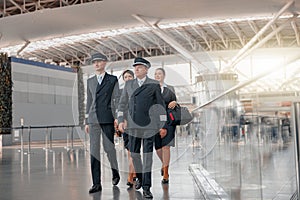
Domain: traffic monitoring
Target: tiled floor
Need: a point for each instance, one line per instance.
(62, 174)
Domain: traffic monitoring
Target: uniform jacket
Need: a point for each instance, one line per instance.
(144, 105)
(102, 99)
(168, 94)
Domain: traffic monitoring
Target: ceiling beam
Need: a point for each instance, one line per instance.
(278, 38)
(73, 54)
(233, 61)
(127, 46)
(199, 66)
(296, 31)
(254, 28)
(52, 54)
(109, 47)
(195, 44)
(64, 52)
(185, 37)
(153, 41)
(138, 42)
(22, 48)
(89, 46)
(81, 50)
(220, 34)
(64, 2)
(18, 6)
(78, 59)
(38, 5)
(238, 32)
(73, 48)
(203, 35)
(38, 56)
(263, 41)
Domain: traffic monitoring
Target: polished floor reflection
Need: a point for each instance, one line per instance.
(61, 174)
(251, 167)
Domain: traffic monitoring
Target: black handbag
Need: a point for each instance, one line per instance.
(179, 116)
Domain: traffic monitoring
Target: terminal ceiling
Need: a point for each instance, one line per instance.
(111, 27)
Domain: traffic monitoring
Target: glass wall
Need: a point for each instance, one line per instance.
(250, 155)
(244, 141)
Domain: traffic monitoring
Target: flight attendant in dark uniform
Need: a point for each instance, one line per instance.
(143, 104)
(165, 139)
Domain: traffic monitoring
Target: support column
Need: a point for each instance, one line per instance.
(80, 86)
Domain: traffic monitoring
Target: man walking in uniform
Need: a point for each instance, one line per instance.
(102, 96)
(141, 99)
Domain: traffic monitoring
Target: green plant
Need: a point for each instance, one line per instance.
(5, 94)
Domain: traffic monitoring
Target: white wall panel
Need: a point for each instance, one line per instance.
(42, 96)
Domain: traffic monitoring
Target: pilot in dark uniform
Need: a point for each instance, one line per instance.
(142, 100)
(102, 96)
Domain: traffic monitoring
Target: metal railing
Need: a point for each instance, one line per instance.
(48, 141)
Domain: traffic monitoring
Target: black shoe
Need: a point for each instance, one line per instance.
(162, 172)
(129, 184)
(147, 194)
(115, 180)
(95, 188)
(138, 184)
(165, 181)
(115, 176)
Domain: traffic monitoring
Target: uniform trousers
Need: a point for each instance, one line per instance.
(143, 169)
(107, 132)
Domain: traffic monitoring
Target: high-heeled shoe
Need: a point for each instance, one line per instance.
(129, 184)
(165, 181)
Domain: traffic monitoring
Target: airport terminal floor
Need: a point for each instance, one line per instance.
(65, 174)
(247, 168)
